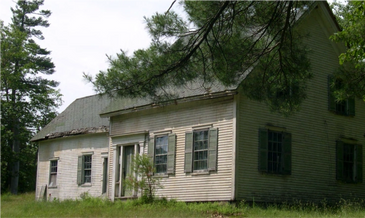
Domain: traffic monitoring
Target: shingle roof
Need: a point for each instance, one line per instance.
(188, 91)
(83, 115)
(80, 117)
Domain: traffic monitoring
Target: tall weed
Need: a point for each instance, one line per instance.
(25, 206)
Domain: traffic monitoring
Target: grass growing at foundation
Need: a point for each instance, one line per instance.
(24, 205)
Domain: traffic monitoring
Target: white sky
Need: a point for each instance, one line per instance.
(82, 32)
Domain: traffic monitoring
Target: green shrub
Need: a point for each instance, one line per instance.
(141, 178)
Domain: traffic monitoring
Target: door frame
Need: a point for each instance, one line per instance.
(105, 175)
(118, 161)
(123, 169)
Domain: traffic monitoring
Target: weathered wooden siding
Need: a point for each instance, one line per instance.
(67, 150)
(314, 133)
(179, 119)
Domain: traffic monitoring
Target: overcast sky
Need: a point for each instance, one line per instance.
(82, 32)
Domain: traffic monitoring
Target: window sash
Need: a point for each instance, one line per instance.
(200, 149)
(161, 150)
(349, 162)
(53, 166)
(53, 173)
(87, 163)
(275, 152)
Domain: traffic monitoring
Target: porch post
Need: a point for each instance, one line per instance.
(135, 174)
(114, 149)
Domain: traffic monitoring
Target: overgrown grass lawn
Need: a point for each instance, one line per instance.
(24, 205)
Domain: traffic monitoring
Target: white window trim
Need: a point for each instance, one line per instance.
(53, 159)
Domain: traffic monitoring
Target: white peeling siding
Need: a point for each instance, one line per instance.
(179, 119)
(68, 150)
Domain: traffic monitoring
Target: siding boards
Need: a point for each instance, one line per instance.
(314, 133)
(180, 119)
(68, 150)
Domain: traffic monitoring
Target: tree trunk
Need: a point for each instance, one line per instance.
(15, 148)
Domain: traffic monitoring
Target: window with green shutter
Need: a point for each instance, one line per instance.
(161, 150)
(345, 107)
(274, 152)
(348, 162)
(84, 169)
(201, 148)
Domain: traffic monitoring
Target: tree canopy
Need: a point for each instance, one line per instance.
(351, 17)
(28, 101)
(219, 41)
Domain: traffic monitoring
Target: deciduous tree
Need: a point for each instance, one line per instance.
(351, 17)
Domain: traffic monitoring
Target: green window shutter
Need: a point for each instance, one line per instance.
(171, 154)
(359, 163)
(80, 168)
(339, 160)
(287, 144)
(213, 149)
(188, 152)
(151, 149)
(50, 168)
(262, 159)
(351, 107)
(331, 97)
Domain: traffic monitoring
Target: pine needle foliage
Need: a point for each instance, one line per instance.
(228, 42)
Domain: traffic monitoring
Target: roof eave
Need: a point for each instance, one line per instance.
(74, 132)
(173, 101)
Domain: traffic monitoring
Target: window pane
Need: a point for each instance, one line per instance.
(161, 168)
(161, 145)
(161, 149)
(161, 159)
(53, 180)
(200, 165)
(87, 168)
(87, 176)
(160, 153)
(275, 147)
(53, 173)
(200, 141)
(349, 162)
(54, 166)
